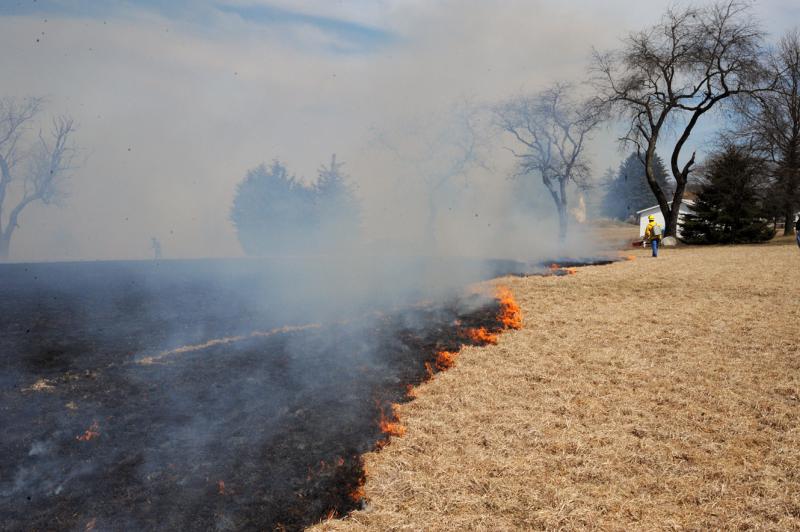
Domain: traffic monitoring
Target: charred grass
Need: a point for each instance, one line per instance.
(643, 395)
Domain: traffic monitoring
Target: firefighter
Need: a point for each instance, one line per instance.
(797, 231)
(652, 234)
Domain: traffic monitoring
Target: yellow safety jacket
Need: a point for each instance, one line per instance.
(648, 232)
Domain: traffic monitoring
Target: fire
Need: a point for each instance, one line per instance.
(554, 266)
(359, 493)
(221, 487)
(630, 257)
(571, 271)
(445, 360)
(481, 336)
(91, 433)
(411, 392)
(392, 427)
(510, 313)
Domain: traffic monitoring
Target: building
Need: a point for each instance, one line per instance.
(655, 210)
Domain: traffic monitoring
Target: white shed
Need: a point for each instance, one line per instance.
(655, 210)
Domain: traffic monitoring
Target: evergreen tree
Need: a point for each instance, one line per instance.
(337, 208)
(729, 207)
(272, 212)
(629, 191)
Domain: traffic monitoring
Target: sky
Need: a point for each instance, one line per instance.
(176, 100)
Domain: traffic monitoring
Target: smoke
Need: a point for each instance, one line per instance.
(259, 412)
(173, 111)
(172, 117)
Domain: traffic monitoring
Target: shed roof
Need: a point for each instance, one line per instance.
(688, 202)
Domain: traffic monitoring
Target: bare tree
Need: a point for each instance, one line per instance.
(442, 154)
(770, 123)
(552, 128)
(32, 171)
(671, 74)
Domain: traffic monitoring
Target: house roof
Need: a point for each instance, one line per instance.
(688, 202)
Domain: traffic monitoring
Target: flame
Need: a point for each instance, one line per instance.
(221, 487)
(411, 392)
(510, 313)
(392, 427)
(429, 370)
(91, 433)
(554, 266)
(445, 360)
(481, 336)
(359, 493)
(571, 271)
(630, 257)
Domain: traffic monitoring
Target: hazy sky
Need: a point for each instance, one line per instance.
(175, 100)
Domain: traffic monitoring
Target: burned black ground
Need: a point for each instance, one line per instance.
(260, 433)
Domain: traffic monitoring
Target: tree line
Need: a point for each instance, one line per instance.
(657, 87)
(276, 214)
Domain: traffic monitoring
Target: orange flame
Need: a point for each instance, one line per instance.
(445, 360)
(392, 427)
(481, 336)
(357, 494)
(411, 392)
(91, 433)
(571, 271)
(630, 257)
(221, 487)
(510, 313)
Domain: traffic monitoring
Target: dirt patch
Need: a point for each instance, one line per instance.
(647, 394)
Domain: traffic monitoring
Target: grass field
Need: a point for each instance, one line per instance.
(650, 394)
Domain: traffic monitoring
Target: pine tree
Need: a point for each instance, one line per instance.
(629, 191)
(337, 208)
(273, 213)
(729, 208)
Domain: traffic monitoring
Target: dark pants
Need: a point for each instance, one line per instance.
(654, 245)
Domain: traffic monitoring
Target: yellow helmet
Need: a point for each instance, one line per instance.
(651, 218)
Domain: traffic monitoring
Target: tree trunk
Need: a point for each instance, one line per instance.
(561, 205)
(788, 221)
(650, 176)
(562, 210)
(675, 210)
(562, 222)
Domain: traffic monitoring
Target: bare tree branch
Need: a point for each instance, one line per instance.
(49, 159)
(552, 126)
(675, 72)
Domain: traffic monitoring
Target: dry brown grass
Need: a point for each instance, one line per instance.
(595, 417)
